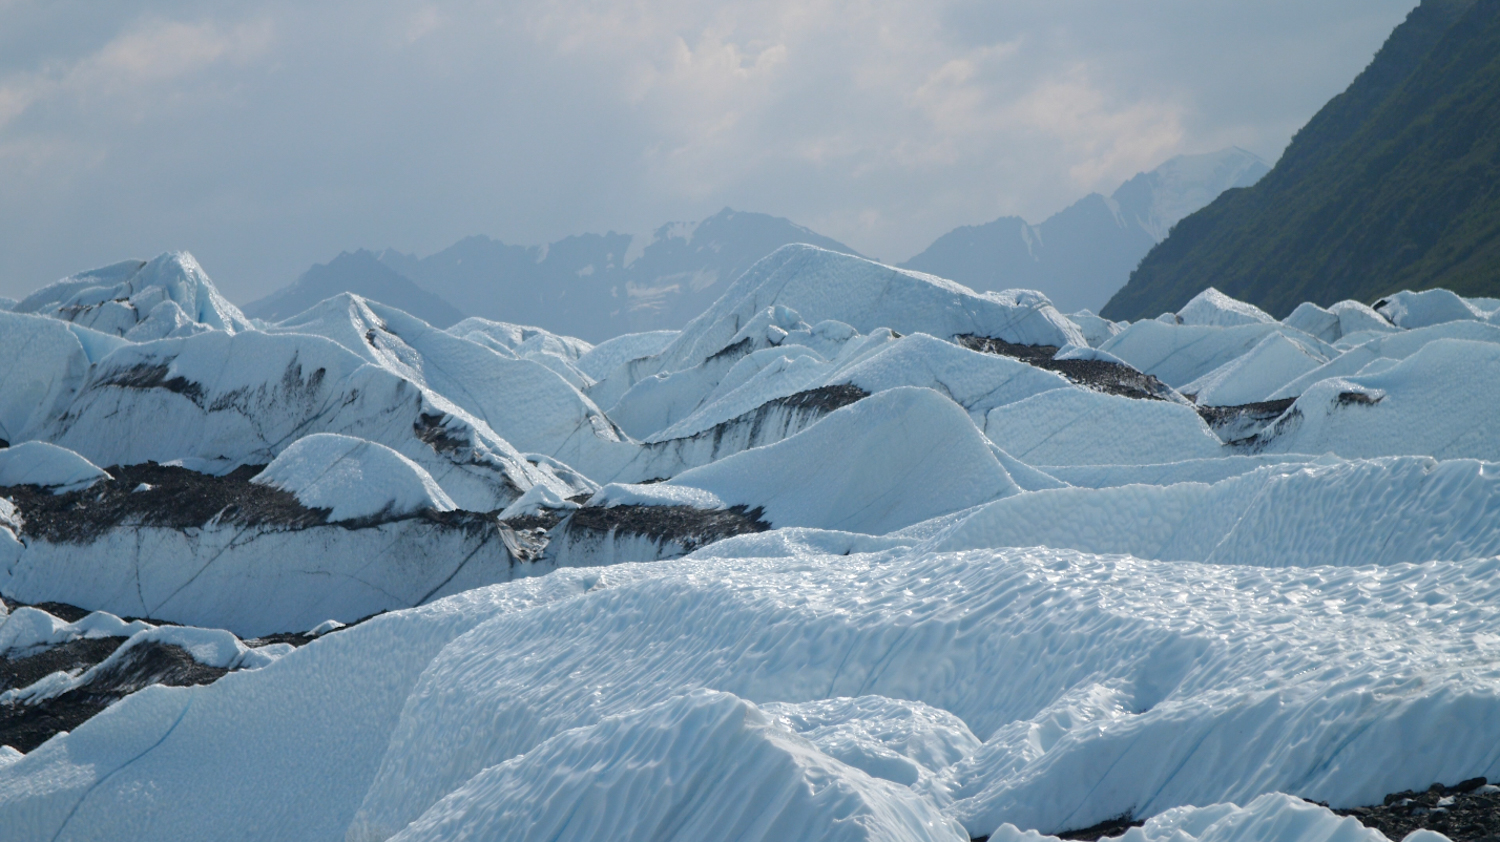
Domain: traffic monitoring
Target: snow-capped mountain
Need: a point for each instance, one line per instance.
(1079, 256)
(858, 553)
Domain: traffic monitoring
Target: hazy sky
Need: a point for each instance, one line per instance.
(267, 136)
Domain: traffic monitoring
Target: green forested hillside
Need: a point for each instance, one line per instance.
(1395, 184)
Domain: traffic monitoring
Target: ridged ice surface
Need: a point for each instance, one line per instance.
(1098, 685)
(681, 771)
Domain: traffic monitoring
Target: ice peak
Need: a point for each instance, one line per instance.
(122, 299)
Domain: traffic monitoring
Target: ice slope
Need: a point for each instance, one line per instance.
(893, 459)
(1095, 689)
(975, 381)
(206, 647)
(821, 285)
(1192, 470)
(1273, 817)
(922, 639)
(1391, 348)
(43, 363)
(759, 396)
(1076, 426)
(1011, 643)
(217, 401)
(27, 628)
(48, 466)
(354, 479)
(1357, 317)
(140, 300)
(264, 579)
(1255, 376)
(1440, 402)
(1095, 329)
(1407, 309)
(902, 456)
(1346, 318)
(1385, 511)
(1214, 308)
(1315, 322)
(897, 740)
(1179, 354)
(559, 353)
(318, 721)
(687, 769)
(609, 355)
(524, 402)
(523, 339)
(655, 403)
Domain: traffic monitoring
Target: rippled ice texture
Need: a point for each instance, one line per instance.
(1098, 685)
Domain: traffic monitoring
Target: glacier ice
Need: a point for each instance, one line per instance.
(684, 769)
(904, 570)
(1214, 308)
(48, 466)
(1057, 661)
(1429, 307)
(126, 299)
(1255, 376)
(836, 474)
(354, 479)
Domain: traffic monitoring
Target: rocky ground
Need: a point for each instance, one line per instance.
(1465, 812)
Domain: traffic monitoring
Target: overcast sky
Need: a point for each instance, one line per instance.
(267, 136)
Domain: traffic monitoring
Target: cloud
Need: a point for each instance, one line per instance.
(134, 63)
(265, 140)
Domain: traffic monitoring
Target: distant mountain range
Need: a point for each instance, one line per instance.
(596, 286)
(360, 272)
(1394, 184)
(593, 286)
(1081, 255)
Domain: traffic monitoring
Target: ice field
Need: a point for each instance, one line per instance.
(858, 554)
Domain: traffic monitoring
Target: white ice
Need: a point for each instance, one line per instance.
(1214, 308)
(125, 299)
(1089, 680)
(47, 465)
(886, 462)
(990, 599)
(354, 479)
(1255, 376)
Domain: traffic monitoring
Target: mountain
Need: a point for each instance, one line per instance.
(597, 286)
(1394, 184)
(1081, 255)
(363, 274)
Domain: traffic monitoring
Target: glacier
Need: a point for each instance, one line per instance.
(857, 554)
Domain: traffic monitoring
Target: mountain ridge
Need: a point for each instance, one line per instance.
(1082, 254)
(597, 286)
(1391, 185)
(361, 269)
